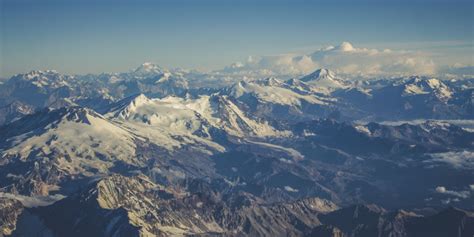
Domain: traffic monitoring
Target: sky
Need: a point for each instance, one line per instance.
(85, 36)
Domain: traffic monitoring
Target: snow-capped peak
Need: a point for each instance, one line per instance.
(270, 81)
(74, 133)
(148, 68)
(74, 114)
(124, 108)
(433, 83)
(418, 85)
(140, 99)
(319, 74)
(299, 85)
(184, 116)
(50, 78)
(78, 114)
(38, 73)
(49, 117)
(323, 78)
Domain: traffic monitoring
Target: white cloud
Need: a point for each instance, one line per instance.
(33, 201)
(458, 70)
(290, 189)
(449, 200)
(287, 64)
(440, 189)
(466, 124)
(345, 59)
(458, 160)
(460, 194)
(348, 59)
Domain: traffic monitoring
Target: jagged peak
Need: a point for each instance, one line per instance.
(424, 85)
(40, 72)
(36, 75)
(324, 78)
(112, 191)
(139, 99)
(432, 83)
(76, 114)
(404, 214)
(269, 81)
(50, 117)
(319, 74)
(125, 107)
(318, 204)
(366, 207)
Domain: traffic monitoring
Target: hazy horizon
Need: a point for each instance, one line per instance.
(80, 37)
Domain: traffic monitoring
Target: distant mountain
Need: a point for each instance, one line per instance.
(272, 99)
(270, 90)
(411, 98)
(316, 95)
(149, 69)
(36, 88)
(418, 86)
(155, 81)
(324, 78)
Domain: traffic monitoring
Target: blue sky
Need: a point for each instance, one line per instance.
(85, 36)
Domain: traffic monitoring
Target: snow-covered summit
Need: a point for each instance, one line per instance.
(319, 74)
(149, 69)
(420, 85)
(70, 138)
(323, 78)
(177, 115)
(269, 81)
(48, 78)
(271, 90)
(124, 108)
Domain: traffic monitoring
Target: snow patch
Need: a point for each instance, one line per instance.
(290, 189)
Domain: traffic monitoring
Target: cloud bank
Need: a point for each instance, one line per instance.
(37, 201)
(454, 196)
(460, 194)
(343, 59)
(457, 160)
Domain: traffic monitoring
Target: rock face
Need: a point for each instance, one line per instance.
(135, 206)
(450, 222)
(326, 231)
(363, 220)
(366, 220)
(13, 111)
(10, 209)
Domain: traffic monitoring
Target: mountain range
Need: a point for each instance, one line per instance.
(152, 152)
